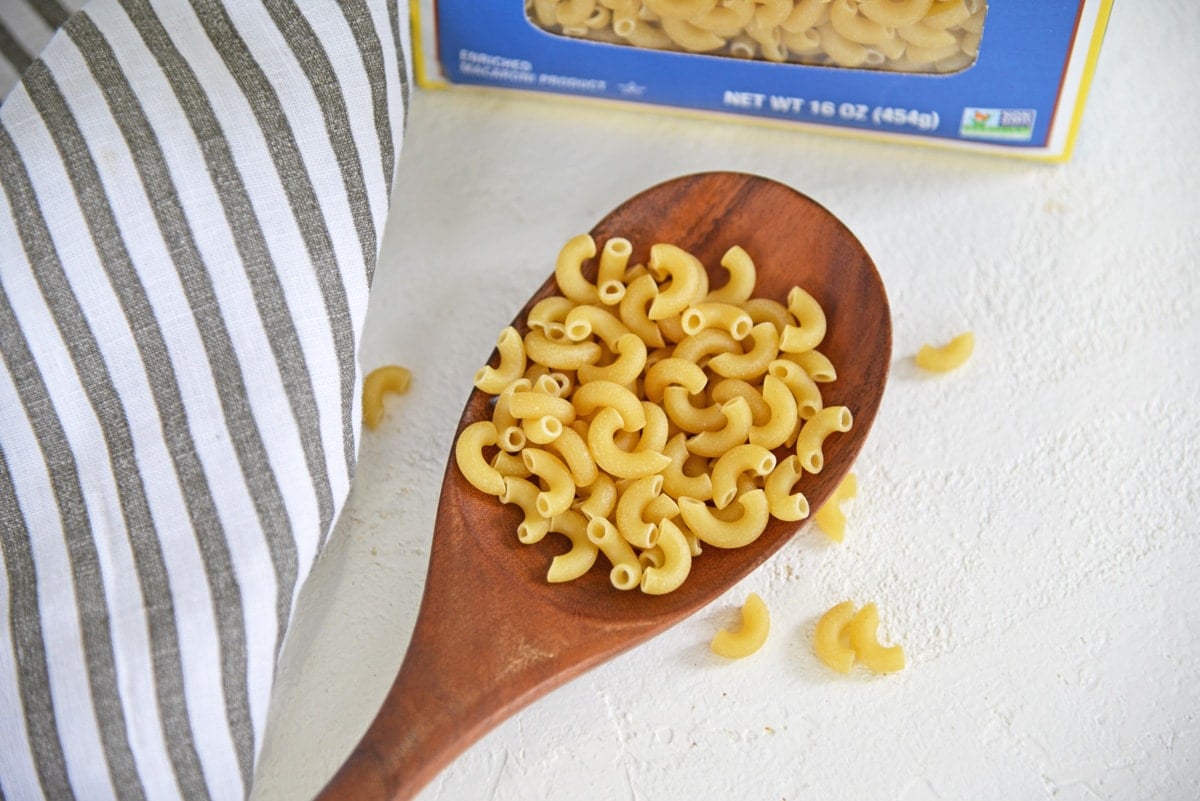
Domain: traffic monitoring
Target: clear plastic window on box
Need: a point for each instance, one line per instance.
(924, 36)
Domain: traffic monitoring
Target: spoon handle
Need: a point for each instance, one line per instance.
(474, 659)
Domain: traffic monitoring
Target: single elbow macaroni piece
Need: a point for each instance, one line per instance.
(810, 442)
(560, 489)
(742, 277)
(509, 464)
(617, 462)
(673, 371)
(688, 280)
(877, 658)
(549, 313)
(633, 309)
(753, 362)
(701, 346)
(949, 356)
(568, 270)
(831, 641)
(468, 454)
(610, 276)
(541, 430)
(710, 314)
(783, 419)
(676, 561)
(626, 570)
(625, 369)
(584, 321)
(767, 310)
(630, 517)
(582, 555)
(559, 355)
(781, 501)
(815, 364)
(738, 419)
(573, 449)
(600, 497)
(737, 460)
(736, 533)
(750, 636)
(387, 379)
(654, 433)
(511, 367)
(830, 518)
(606, 394)
(677, 481)
(681, 411)
(531, 403)
(804, 390)
(524, 494)
(811, 323)
(729, 388)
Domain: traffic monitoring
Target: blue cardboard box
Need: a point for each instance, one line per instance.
(1009, 76)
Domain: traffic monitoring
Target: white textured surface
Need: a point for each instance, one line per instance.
(1029, 526)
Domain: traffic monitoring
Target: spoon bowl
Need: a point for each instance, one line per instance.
(491, 634)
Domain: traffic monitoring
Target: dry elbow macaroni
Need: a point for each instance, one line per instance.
(950, 356)
(844, 636)
(390, 378)
(747, 638)
(644, 415)
(930, 36)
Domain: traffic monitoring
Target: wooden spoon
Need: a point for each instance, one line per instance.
(492, 635)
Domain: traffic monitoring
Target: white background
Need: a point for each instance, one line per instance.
(1029, 525)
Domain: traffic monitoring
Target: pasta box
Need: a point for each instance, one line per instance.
(1004, 77)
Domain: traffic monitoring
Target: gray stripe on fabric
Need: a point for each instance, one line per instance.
(25, 624)
(302, 198)
(248, 234)
(81, 549)
(160, 372)
(13, 51)
(358, 17)
(51, 12)
(97, 384)
(401, 66)
(310, 53)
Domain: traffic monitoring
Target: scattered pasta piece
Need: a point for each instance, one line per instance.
(844, 637)
(656, 408)
(950, 356)
(389, 378)
(832, 642)
(830, 518)
(750, 636)
(875, 657)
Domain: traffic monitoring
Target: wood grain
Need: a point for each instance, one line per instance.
(491, 635)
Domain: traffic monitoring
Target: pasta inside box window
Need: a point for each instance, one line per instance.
(925, 36)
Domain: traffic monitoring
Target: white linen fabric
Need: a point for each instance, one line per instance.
(192, 196)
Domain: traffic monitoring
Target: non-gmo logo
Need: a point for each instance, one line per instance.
(1011, 124)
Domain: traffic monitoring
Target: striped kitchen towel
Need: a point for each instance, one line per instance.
(192, 196)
